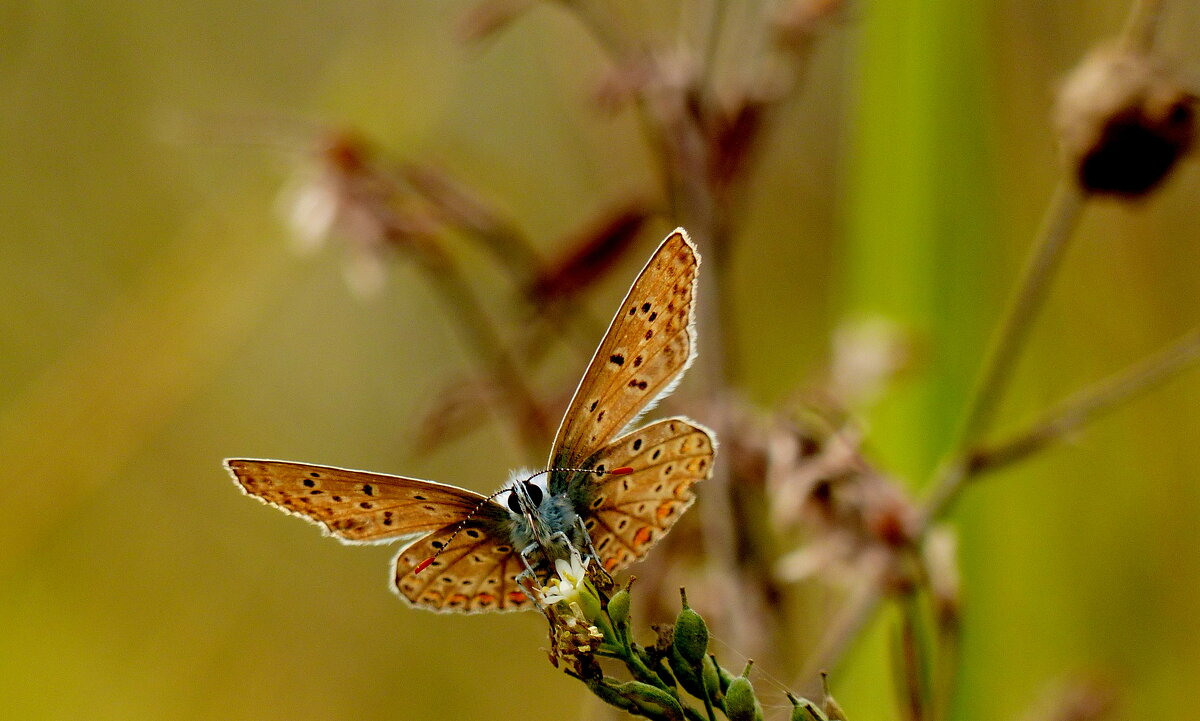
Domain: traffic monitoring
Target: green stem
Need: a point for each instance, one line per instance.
(1057, 229)
(1065, 418)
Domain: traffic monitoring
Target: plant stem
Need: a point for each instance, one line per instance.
(912, 656)
(1057, 228)
(444, 275)
(1065, 418)
(856, 612)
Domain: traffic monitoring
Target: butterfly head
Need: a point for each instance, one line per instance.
(537, 516)
(526, 491)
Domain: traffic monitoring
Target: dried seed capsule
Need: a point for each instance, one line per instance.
(1123, 121)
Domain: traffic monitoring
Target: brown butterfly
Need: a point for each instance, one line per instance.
(604, 492)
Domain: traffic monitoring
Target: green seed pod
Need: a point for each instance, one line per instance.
(724, 678)
(740, 702)
(652, 702)
(805, 710)
(691, 633)
(712, 681)
(618, 607)
(687, 673)
(609, 692)
(589, 602)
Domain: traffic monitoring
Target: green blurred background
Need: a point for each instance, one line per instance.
(153, 321)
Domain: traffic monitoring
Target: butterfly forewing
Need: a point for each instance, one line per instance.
(473, 574)
(647, 347)
(627, 514)
(355, 506)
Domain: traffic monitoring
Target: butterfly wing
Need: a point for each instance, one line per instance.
(627, 514)
(356, 506)
(474, 574)
(646, 349)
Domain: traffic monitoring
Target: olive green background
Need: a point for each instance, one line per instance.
(154, 321)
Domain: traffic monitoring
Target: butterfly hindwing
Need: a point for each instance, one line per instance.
(355, 506)
(648, 345)
(475, 573)
(627, 514)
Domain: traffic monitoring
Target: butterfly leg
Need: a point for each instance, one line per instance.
(587, 539)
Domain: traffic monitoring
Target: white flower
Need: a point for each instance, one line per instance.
(566, 586)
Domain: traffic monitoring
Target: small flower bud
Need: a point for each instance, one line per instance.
(618, 607)
(740, 702)
(1123, 121)
(589, 602)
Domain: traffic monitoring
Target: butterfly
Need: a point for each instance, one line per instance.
(610, 491)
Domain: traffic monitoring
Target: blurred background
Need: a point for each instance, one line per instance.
(154, 319)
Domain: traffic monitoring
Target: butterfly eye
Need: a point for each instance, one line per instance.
(513, 502)
(535, 493)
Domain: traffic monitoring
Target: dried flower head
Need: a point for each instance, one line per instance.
(1123, 120)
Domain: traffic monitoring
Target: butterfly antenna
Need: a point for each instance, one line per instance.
(623, 470)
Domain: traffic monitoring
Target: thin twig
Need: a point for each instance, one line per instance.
(444, 275)
(840, 633)
(1061, 218)
(1069, 416)
(913, 673)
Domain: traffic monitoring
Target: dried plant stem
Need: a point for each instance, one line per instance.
(1064, 419)
(856, 612)
(447, 279)
(711, 36)
(912, 672)
(1057, 229)
(946, 665)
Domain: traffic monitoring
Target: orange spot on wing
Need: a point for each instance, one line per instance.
(642, 537)
(665, 510)
(610, 564)
(517, 597)
(485, 599)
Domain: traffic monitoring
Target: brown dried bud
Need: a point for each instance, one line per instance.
(1123, 121)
